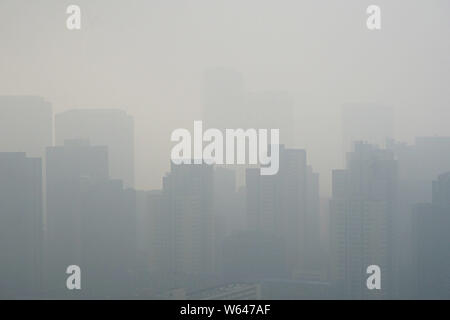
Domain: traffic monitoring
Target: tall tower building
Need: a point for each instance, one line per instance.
(188, 194)
(419, 164)
(431, 243)
(21, 226)
(229, 210)
(153, 247)
(361, 209)
(107, 127)
(278, 204)
(91, 222)
(228, 105)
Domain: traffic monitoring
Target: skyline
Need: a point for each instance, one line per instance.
(72, 126)
(149, 59)
(380, 191)
(226, 149)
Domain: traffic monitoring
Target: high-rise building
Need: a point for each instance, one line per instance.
(21, 226)
(150, 228)
(419, 164)
(26, 125)
(106, 127)
(313, 247)
(153, 245)
(188, 194)
(228, 105)
(431, 243)
(362, 206)
(229, 210)
(278, 204)
(91, 223)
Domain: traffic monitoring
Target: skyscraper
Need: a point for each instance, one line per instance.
(431, 239)
(91, 222)
(153, 230)
(313, 248)
(21, 226)
(361, 209)
(229, 210)
(419, 164)
(277, 204)
(188, 193)
(108, 127)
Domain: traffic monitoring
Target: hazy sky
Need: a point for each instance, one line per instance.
(148, 57)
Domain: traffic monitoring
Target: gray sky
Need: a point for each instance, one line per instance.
(148, 57)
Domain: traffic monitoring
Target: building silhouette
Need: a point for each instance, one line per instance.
(229, 105)
(285, 205)
(419, 164)
(188, 196)
(91, 223)
(150, 222)
(362, 206)
(153, 242)
(108, 127)
(431, 223)
(229, 210)
(21, 226)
